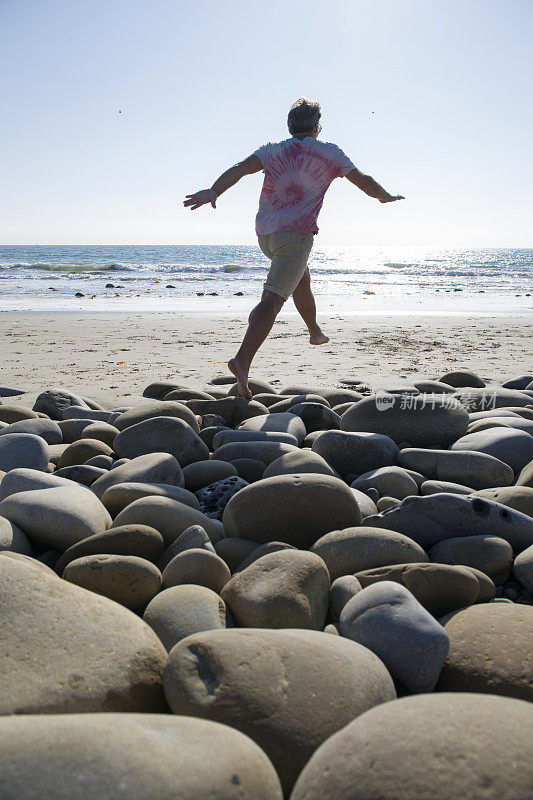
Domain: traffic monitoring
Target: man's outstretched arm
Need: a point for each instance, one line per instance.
(369, 186)
(228, 179)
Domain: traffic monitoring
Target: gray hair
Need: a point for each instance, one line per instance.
(303, 116)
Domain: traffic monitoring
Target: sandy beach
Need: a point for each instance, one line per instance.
(114, 356)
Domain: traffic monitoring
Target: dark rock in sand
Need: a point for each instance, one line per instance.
(463, 378)
(214, 498)
(255, 386)
(54, 401)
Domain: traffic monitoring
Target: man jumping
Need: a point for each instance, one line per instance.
(298, 172)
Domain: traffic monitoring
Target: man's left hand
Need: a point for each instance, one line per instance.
(201, 198)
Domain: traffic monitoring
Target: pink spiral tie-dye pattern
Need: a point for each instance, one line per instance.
(298, 173)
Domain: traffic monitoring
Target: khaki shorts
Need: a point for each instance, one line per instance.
(289, 252)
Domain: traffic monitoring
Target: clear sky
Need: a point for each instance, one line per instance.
(112, 110)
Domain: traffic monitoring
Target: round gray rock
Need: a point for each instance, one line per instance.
(285, 589)
(297, 509)
(221, 675)
(183, 610)
(160, 468)
(388, 620)
(355, 453)
(490, 737)
(198, 567)
(489, 554)
(511, 446)
(23, 450)
(47, 429)
(128, 580)
(161, 435)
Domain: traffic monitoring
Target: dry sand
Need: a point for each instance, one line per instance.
(115, 355)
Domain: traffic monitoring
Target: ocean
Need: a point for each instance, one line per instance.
(229, 278)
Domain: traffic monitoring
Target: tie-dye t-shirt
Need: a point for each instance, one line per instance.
(298, 173)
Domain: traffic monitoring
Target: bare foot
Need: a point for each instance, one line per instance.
(241, 374)
(317, 337)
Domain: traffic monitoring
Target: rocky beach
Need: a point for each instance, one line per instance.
(324, 592)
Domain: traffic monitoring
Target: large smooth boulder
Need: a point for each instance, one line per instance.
(435, 517)
(64, 649)
(131, 756)
(57, 517)
(156, 408)
(509, 445)
(161, 435)
(54, 401)
(355, 453)
(437, 746)
(127, 540)
(180, 611)
(354, 549)
(440, 588)
(25, 480)
(490, 554)
(490, 650)
(466, 467)
(423, 420)
(284, 589)
(297, 509)
(280, 423)
(47, 429)
(388, 620)
(23, 450)
(462, 378)
(117, 497)
(169, 517)
(259, 682)
(128, 580)
(159, 468)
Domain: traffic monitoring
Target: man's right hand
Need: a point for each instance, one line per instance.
(390, 198)
(201, 198)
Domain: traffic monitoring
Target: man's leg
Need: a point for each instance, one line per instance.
(306, 307)
(260, 324)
